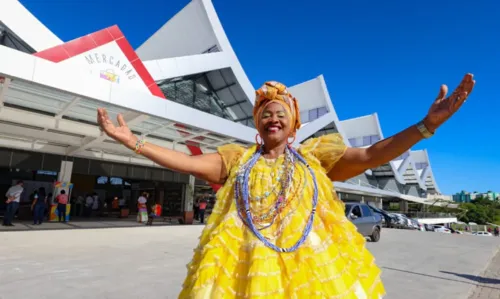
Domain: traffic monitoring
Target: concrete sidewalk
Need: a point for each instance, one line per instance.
(82, 223)
(149, 262)
(488, 283)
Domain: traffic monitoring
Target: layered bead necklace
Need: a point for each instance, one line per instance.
(258, 223)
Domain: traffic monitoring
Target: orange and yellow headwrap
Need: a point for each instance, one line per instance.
(275, 92)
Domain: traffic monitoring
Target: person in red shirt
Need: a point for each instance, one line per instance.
(155, 213)
(62, 201)
(202, 206)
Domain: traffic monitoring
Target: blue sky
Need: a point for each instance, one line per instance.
(388, 57)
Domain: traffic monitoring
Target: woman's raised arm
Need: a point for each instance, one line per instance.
(357, 160)
(207, 167)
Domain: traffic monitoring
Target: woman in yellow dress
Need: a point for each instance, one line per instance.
(278, 229)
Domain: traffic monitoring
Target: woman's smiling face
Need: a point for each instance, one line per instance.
(274, 125)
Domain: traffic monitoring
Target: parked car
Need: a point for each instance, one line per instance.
(483, 234)
(442, 229)
(415, 224)
(429, 227)
(401, 221)
(387, 220)
(369, 224)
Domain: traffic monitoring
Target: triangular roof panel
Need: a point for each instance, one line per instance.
(108, 54)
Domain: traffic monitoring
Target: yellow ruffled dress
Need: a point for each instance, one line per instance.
(230, 262)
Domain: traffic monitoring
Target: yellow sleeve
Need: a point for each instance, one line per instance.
(231, 154)
(328, 149)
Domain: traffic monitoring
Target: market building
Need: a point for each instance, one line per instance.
(184, 93)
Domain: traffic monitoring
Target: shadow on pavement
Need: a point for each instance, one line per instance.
(475, 283)
(475, 278)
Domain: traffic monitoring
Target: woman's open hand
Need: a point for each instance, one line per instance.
(444, 107)
(120, 133)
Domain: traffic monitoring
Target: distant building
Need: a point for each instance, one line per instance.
(465, 196)
(462, 196)
(491, 195)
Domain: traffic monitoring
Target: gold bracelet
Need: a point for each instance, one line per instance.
(423, 130)
(139, 144)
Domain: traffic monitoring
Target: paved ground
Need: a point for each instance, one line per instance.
(489, 281)
(82, 223)
(149, 262)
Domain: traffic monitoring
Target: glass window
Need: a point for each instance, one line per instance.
(347, 209)
(366, 140)
(374, 139)
(420, 165)
(322, 111)
(356, 211)
(313, 114)
(304, 116)
(352, 141)
(102, 180)
(196, 92)
(366, 211)
(403, 156)
(46, 172)
(116, 181)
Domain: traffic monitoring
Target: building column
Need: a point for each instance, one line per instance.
(380, 203)
(64, 176)
(65, 172)
(188, 212)
(404, 206)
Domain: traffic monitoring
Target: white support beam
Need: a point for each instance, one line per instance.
(115, 158)
(28, 118)
(43, 121)
(163, 126)
(64, 110)
(223, 142)
(86, 143)
(120, 149)
(28, 145)
(68, 106)
(131, 119)
(192, 136)
(38, 135)
(3, 89)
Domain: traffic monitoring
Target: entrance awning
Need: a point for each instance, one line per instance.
(44, 108)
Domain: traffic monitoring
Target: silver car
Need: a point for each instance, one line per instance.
(369, 224)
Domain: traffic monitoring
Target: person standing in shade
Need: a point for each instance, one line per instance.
(202, 206)
(13, 197)
(38, 208)
(89, 202)
(48, 202)
(79, 205)
(196, 209)
(96, 204)
(142, 208)
(62, 201)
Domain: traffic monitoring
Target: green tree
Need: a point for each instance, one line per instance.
(481, 210)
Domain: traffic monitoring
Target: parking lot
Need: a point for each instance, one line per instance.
(149, 262)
